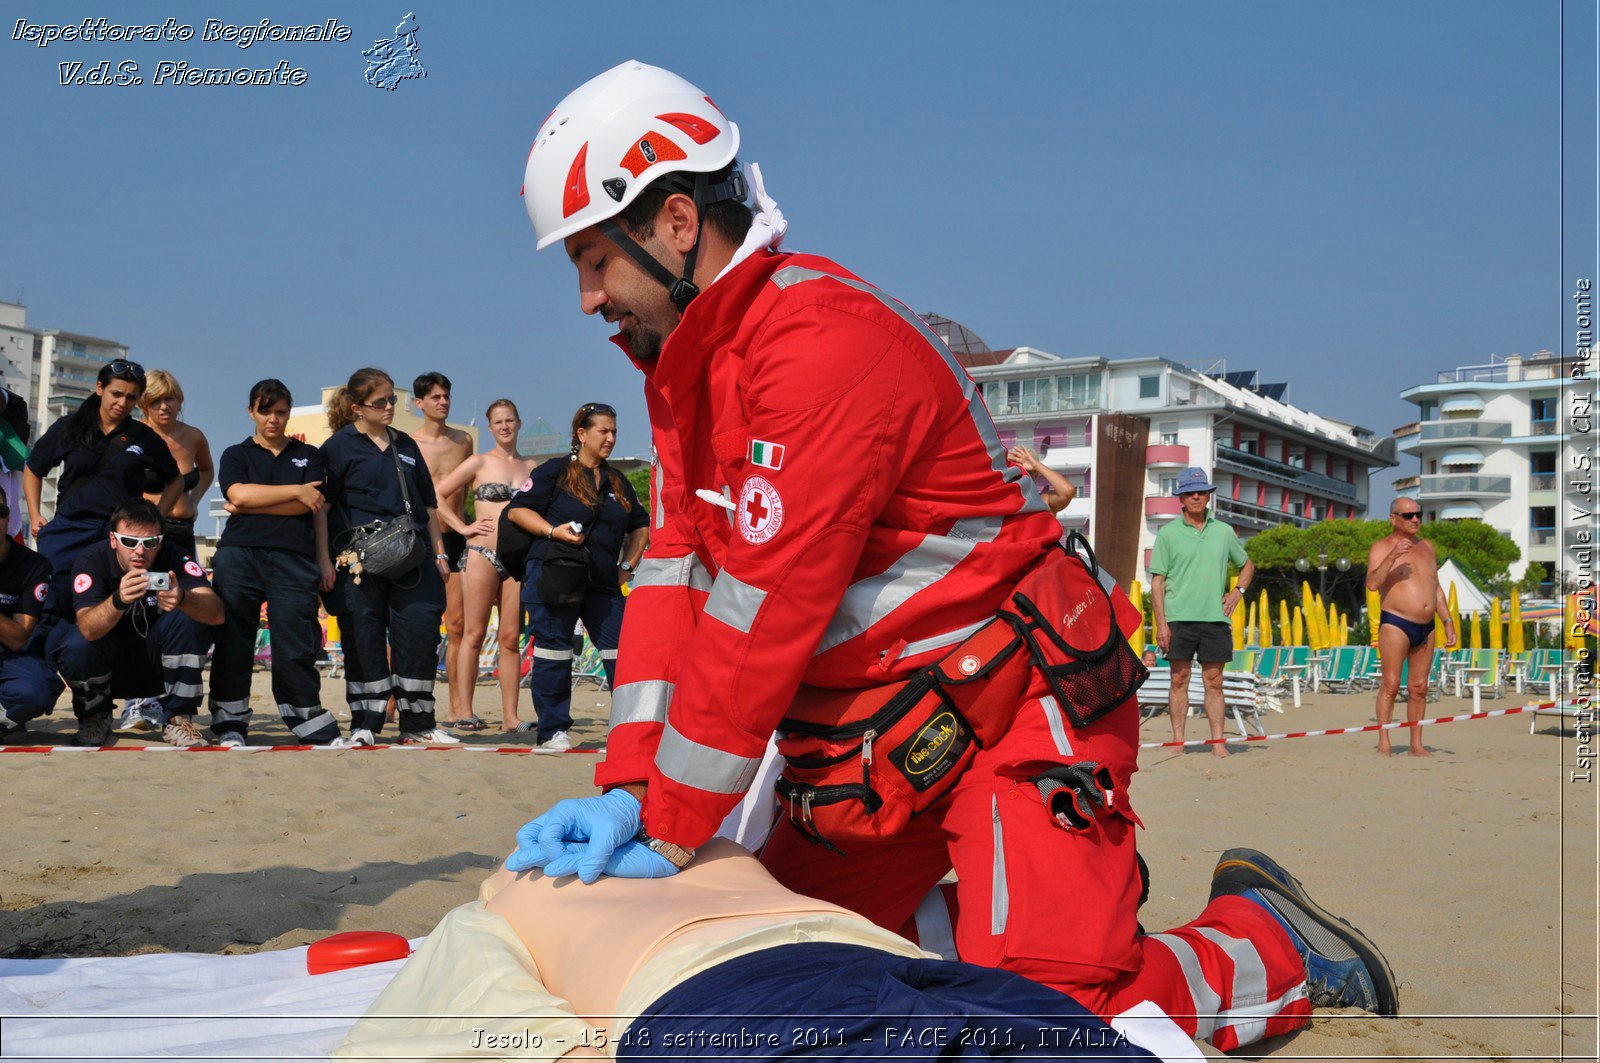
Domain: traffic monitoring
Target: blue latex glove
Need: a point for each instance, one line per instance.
(577, 835)
(635, 859)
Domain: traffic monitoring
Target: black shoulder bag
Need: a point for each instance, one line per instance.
(564, 572)
(389, 548)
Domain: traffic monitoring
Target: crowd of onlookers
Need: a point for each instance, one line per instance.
(372, 526)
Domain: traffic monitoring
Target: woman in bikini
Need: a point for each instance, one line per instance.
(495, 476)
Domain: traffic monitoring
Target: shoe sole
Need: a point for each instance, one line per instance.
(1267, 875)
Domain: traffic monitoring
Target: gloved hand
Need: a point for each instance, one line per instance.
(635, 859)
(577, 835)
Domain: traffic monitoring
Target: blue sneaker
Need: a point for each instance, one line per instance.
(1343, 968)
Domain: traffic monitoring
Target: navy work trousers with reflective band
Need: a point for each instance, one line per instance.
(29, 686)
(61, 542)
(822, 1000)
(555, 642)
(245, 578)
(166, 662)
(390, 632)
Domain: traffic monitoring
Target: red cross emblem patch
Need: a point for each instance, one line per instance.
(760, 512)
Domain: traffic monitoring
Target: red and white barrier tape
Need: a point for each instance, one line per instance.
(1544, 706)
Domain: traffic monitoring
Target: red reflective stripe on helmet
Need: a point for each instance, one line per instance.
(714, 106)
(576, 196)
(648, 150)
(699, 130)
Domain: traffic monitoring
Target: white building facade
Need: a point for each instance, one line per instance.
(1491, 443)
(1272, 462)
(53, 369)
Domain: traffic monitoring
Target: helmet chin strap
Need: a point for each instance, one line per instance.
(681, 290)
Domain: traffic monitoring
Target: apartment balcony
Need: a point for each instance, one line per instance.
(1541, 537)
(1008, 412)
(1446, 486)
(1408, 430)
(1461, 430)
(1407, 483)
(1166, 456)
(1162, 507)
(1543, 481)
(1282, 474)
(1251, 517)
(1063, 459)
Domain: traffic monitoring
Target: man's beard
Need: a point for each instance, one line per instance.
(644, 343)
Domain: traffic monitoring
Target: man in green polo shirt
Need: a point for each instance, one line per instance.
(1189, 570)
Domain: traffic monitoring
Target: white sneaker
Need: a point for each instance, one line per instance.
(135, 716)
(231, 740)
(557, 743)
(358, 738)
(435, 737)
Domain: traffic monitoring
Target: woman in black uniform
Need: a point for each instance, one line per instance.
(614, 528)
(104, 456)
(390, 627)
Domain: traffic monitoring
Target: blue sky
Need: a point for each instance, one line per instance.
(1348, 196)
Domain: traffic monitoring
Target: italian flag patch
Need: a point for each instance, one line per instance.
(767, 455)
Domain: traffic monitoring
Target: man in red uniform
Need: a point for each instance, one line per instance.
(833, 511)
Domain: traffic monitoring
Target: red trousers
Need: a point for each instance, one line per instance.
(1058, 905)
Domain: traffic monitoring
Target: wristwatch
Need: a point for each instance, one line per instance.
(626, 566)
(676, 855)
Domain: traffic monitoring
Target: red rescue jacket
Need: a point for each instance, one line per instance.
(877, 525)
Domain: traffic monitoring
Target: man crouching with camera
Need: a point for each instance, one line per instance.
(143, 609)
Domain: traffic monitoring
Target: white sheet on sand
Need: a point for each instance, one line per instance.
(258, 1006)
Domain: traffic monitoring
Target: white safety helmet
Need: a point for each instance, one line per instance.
(613, 137)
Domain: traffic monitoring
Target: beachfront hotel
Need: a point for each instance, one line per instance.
(1491, 442)
(1122, 430)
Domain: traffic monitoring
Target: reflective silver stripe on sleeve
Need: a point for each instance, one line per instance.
(939, 642)
(1033, 501)
(704, 767)
(644, 702)
(735, 602)
(686, 571)
(1058, 726)
(658, 500)
(869, 600)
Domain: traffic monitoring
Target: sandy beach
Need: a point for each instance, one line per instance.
(1474, 869)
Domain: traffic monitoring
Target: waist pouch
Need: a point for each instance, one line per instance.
(861, 763)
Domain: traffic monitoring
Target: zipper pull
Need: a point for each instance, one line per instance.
(805, 807)
(866, 746)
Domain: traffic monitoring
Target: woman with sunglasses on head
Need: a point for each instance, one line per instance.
(162, 406)
(105, 457)
(268, 555)
(494, 476)
(579, 502)
(376, 476)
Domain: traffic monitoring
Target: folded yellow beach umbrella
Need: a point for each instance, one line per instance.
(1252, 633)
(1438, 630)
(1515, 644)
(1299, 627)
(1374, 611)
(1264, 615)
(1455, 610)
(1236, 621)
(1285, 630)
(1477, 632)
(1136, 596)
(1495, 624)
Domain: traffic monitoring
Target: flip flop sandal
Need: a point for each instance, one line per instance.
(471, 723)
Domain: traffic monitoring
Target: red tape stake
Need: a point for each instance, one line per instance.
(1546, 706)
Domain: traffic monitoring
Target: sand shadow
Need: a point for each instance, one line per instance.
(213, 912)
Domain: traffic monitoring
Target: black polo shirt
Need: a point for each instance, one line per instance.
(251, 463)
(604, 534)
(361, 484)
(84, 492)
(24, 582)
(96, 574)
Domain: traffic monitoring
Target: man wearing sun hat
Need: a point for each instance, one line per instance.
(1189, 588)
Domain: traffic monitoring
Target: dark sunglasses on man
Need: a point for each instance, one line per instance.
(1405, 514)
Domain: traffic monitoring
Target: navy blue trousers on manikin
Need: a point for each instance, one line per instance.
(390, 632)
(165, 662)
(245, 577)
(822, 1000)
(554, 630)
